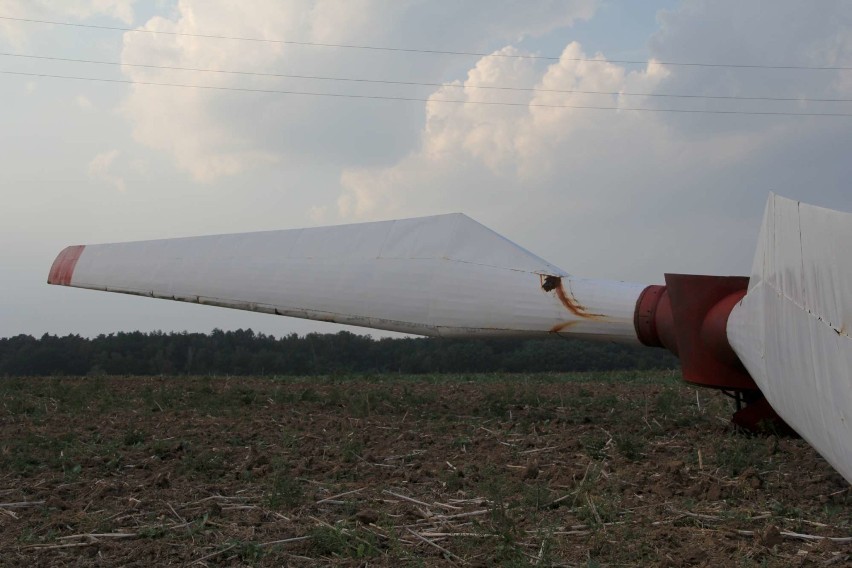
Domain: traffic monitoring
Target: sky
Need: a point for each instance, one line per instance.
(615, 193)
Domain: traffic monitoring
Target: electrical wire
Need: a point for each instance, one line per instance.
(421, 99)
(424, 84)
(430, 51)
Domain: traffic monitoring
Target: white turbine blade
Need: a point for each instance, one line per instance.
(792, 328)
(445, 276)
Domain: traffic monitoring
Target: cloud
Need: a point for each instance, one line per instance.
(626, 184)
(519, 150)
(543, 168)
(318, 214)
(83, 103)
(121, 10)
(100, 168)
(211, 134)
(18, 34)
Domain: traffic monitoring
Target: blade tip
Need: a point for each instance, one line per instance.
(62, 269)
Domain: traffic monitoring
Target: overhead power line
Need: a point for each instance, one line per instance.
(423, 83)
(422, 99)
(429, 51)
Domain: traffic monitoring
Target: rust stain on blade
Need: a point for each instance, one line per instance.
(563, 326)
(62, 269)
(555, 284)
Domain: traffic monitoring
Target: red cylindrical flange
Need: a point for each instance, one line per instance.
(689, 317)
(653, 319)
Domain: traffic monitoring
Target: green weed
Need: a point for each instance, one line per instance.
(738, 451)
(594, 444)
(284, 489)
(249, 553)
(629, 446)
(134, 437)
(343, 541)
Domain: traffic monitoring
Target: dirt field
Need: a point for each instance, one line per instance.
(542, 470)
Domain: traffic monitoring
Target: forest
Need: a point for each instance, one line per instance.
(244, 352)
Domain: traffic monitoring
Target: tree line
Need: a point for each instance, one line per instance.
(244, 352)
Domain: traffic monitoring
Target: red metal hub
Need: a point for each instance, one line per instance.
(689, 317)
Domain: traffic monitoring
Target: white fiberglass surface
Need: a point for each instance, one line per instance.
(445, 275)
(792, 328)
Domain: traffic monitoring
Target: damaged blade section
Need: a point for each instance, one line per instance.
(445, 275)
(556, 285)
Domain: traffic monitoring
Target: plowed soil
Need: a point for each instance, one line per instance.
(532, 470)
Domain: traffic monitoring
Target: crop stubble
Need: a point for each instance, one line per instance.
(625, 469)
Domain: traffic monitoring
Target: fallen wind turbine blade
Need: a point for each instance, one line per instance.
(444, 275)
(791, 330)
(779, 339)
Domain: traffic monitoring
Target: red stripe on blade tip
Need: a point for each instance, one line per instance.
(63, 267)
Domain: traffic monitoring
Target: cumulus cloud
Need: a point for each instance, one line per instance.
(101, 169)
(626, 182)
(520, 149)
(212, 133)
(546, 162)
